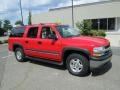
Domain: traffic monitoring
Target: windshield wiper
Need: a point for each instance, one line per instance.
(72, 36)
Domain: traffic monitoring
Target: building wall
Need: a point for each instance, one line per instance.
(63, 16)
(105, 10)
(92, 11)
(114, 38)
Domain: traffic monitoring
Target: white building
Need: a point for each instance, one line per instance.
(103, 15)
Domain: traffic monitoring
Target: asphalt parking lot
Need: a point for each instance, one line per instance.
(34, 75)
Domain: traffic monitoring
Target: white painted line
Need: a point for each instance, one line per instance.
(7, 56)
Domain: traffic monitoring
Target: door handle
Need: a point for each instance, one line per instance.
(26, 41)
(39, 42)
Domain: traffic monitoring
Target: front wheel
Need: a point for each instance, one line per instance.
(77, 64)
(19, 54)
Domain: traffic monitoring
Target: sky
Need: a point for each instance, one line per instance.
(9, 9)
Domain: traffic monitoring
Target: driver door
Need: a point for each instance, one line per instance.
(49, 48)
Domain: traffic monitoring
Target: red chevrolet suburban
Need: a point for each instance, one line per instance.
(61, 45)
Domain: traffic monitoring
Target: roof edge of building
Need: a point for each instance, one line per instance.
(82, 5)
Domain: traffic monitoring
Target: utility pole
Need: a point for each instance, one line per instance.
(72, 14)
(21, 11)
(30, 14)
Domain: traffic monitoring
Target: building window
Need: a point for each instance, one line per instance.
(94, 24)
(107, 24)
(111, 24)
(103, 24)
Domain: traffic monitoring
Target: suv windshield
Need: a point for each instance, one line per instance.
(67, 31)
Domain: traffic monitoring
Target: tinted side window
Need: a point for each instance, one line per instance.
(32, 33)
(17, 32)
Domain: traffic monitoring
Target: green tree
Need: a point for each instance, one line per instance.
(0, 23)
(29, 18)
(84, 27)
(2, 32)
(7, 25)
(19, 22)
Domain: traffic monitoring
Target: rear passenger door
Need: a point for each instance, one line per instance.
(31, 42)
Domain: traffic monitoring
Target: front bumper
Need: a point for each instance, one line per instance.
(98, 62)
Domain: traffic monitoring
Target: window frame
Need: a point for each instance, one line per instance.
(29, 30)
(51, 28)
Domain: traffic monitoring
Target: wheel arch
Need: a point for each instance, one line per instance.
(16, 46)
(67, 51)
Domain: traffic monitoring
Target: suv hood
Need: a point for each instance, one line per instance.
(86, 40)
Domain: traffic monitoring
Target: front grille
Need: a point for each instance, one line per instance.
(107, 52)
(107, 49)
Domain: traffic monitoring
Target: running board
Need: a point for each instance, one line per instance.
(45, 61)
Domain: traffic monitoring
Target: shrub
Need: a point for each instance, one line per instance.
(93, 33)
(85, 29)
(5, 41)
(100, 33)
(1, 42)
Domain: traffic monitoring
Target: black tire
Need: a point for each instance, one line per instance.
(84, 63)
(20, 50)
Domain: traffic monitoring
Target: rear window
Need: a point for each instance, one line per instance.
(17, 32)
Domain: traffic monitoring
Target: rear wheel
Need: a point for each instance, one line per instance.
(19, 54)
(77, 64)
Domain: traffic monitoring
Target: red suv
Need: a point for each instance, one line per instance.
(61, 45)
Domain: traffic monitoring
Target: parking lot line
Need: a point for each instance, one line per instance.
(7, 56)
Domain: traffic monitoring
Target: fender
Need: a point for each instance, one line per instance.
(85, 51)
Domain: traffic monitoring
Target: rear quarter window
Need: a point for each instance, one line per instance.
(17, 32)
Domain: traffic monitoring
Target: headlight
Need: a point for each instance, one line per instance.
(98, 51)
